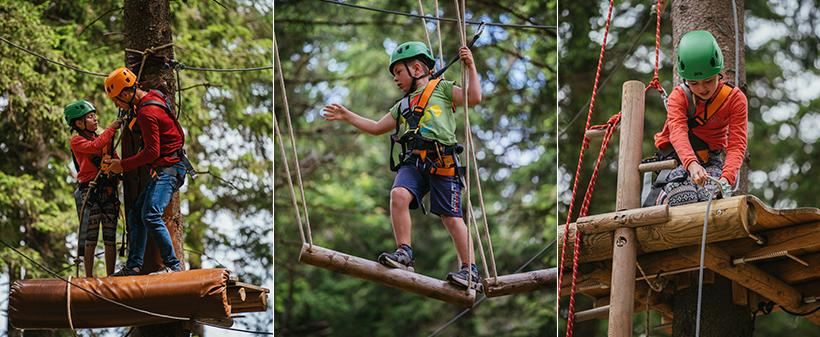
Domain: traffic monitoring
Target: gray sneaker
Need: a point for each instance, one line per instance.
(400, 259)
(165, 270)
(460, 278)
(126, 272)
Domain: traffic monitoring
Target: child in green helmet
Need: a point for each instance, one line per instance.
(102, 206)
(430, 152)
(706, 118)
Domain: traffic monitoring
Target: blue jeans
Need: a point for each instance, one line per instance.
(146, 218)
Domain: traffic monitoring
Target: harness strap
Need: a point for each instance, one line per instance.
(712, 105)
(180, 152)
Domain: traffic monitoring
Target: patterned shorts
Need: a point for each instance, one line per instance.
(681, 190)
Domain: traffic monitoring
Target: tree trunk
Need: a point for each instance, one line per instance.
(719, 316)
(147, 24)
(717, 17)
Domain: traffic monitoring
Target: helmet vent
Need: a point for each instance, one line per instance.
(682, 67)
(712, 62)
(129, 80)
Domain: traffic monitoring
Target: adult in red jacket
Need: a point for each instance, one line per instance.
(162, 138)
(700, 136)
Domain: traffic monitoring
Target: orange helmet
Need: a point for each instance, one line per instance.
(119, 79)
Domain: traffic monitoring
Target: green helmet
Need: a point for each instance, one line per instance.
(412, 50)
(699, 56)
(77, 110)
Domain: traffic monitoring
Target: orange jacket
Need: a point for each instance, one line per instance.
(84, 148)
(727, 129)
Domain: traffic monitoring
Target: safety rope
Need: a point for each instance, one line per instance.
(700, 268)
(145, 53)
(436, 18)
(438, 33)
(424, 25)
(68, 306)
(571, 314)
(295, 155)
(462, 35)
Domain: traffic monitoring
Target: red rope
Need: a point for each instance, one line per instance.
(571, 314)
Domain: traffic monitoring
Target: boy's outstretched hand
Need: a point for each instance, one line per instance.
(466, 56)
(336, 112)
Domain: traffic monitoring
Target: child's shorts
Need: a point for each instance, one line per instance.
(445, 191)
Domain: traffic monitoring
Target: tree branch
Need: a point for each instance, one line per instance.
(97, 19)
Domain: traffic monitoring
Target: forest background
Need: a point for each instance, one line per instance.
(782, 62)
(336, 54)
(226, 117)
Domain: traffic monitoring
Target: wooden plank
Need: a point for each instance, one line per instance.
(626, 218)
(753, 278)
(658, 165)
(391, 277)
(770, 218)
(740, 295)
(255, 301)
(684, 228)
(521, 282)
(792, 272)
(804, 236)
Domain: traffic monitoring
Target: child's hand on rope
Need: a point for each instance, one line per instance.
(337, 112)
(116, 124)
(113, 166)
(466, 56)
(697, 172)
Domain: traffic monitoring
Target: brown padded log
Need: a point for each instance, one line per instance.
(41, 303)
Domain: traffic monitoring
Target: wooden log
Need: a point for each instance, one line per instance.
(521, 282)
(391, 277)
(628, 196)
(255, 301)
(740, 295)
(627, 218)
(599, 133)
(792, 272)
(657, 166)
(753, 278)
(797, 237)
(684, 228)
(769, 218)
(599, 312)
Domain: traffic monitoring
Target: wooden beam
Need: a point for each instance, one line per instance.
(769, 218)
(658, 165)
(792, 272)
(626, 218)
(753, 278)
(599, 133)
(255, 301)
(586, 315)
(391, 277)
(797, 237)
(521, 282)
(683, 229)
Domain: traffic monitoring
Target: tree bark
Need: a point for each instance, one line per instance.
(147, 24)
(719, 316)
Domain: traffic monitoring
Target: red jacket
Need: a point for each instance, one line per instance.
(84, 148)
(159, 135)
(725, 130)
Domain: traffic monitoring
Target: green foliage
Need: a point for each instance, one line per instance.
(335, 54)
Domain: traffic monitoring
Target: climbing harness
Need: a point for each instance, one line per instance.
(180, 152)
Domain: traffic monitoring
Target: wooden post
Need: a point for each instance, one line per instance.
(625, 249)
(391, 277)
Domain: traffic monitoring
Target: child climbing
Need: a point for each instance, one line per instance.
(429, 160)
(706, 119)
(103, 204)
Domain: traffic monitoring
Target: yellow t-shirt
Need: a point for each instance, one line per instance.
(438, 121)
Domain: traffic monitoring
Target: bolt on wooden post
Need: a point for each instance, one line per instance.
(624, 251)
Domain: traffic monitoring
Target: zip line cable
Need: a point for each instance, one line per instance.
(485, 296)
(182, 66)
(436, 17)
(68, 282)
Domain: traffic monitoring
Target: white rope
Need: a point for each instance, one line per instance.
(424, 24)
(438, 32)
(147, 51)
(295, 155)
(463, 38)
(68, 305)
(737, 39)
(700, 269)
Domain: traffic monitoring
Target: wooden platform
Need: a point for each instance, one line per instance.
(669, 241)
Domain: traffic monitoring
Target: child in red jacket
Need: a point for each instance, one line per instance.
(706, 117)
(102, 206)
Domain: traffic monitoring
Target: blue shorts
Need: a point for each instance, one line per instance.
(445, 191)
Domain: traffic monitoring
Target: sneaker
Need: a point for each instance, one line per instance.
(400, 259)
(165, 270)
(126, 272)
(460, 278)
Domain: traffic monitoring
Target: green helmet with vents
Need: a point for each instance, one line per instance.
(76, 110)
(699, 56)
(412, 50)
